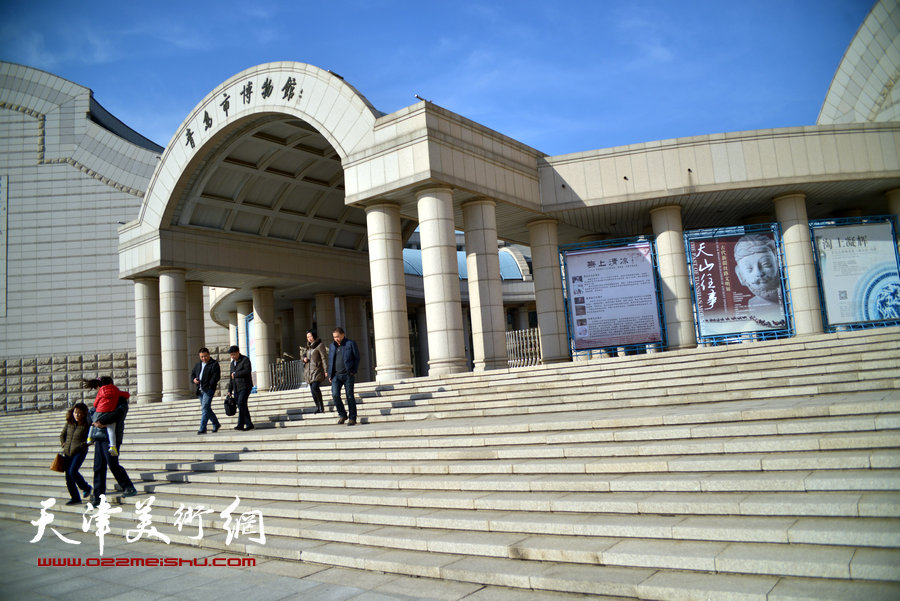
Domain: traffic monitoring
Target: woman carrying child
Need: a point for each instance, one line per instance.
(73, 440)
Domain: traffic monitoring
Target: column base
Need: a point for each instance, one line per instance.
(177, 395)
(147, 397)
(561, 359)
(392, 373)
(490, 365)
(442, 367)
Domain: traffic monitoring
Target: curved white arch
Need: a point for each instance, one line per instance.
(864, 87)
(336, 109)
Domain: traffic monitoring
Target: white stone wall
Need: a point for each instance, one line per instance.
(865, 87)
(70, 183)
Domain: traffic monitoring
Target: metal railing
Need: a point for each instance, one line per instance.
(287, 375)
(523, 347)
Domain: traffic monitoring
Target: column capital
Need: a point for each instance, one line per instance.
(380, 203)
(145, 278)
(789, 196)
(892, 195)
(542, 221)
(665, 208)
(481, 200)
(434, 187)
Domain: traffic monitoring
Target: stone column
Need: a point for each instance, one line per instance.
(290, 339)
(244, 308)
(548, 293)
(467, 337)
(196, 335)
(264, 335)
(790, 210)
(303, 320)
(440, 279)
(357, 327)
(521, 318)
(326, 316)
(388, 283)
(893, 198)
(422, 347)
(673, 274)
(173, 335)
(149, 356)
(233, 329)
(485, 290)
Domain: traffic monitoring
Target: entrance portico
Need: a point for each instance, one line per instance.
(286, 186)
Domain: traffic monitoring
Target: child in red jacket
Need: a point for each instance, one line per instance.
(106, 402)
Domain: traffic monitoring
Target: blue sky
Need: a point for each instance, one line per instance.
(561, 76)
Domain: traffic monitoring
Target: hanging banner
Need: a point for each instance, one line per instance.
(858, 271)
(737, 284)
(612, 297)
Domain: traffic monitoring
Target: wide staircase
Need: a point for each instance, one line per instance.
(759, 471)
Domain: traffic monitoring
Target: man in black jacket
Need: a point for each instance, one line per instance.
(103, 459)
(343, 361)
(205, 376)
(241, 384)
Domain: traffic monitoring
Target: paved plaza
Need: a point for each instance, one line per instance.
(269, 580)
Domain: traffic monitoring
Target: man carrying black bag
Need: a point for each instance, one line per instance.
(230, 405)
(240, 386)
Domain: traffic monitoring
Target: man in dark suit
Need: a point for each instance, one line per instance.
(343, 361)
(241, 384)
(205, 376)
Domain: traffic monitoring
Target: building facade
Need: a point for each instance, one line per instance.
(291, 198)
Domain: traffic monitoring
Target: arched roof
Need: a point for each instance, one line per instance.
(257, 125)
(864, 86)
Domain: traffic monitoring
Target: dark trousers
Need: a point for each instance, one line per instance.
(241, 397)
(345, 380)
(74, 479)
(102, 460)
(315, 389)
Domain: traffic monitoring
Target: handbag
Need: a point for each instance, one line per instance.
(230, 406)
(60, 463)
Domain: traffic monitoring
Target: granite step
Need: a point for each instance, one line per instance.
(434, 546)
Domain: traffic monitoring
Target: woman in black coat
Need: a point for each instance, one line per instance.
(73, 440)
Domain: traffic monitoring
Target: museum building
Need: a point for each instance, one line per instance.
(285, 199)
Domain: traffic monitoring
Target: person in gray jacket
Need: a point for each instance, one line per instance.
(315, 357)
(73, 443)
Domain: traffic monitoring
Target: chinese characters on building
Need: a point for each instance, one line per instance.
(289, 93)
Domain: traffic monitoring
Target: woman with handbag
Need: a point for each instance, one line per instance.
(73, 440)
(316, 359)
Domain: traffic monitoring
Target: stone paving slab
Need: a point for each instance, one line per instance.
(274, 580)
